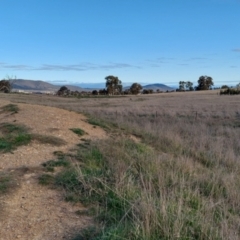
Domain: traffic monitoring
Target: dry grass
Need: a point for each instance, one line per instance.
(181, 182)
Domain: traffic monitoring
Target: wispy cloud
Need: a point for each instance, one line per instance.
(160, 60)
(236, 49)
(165, 58)
(233, 66)
(197, 59)
(18, 67)
(53, 67)
(155, 65)
(183, 64)
(69, 67)
(206, 66)
(117, 65)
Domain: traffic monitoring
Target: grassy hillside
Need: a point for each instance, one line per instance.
(39, 86)
(170, 169)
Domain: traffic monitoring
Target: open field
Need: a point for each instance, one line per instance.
(169, 168)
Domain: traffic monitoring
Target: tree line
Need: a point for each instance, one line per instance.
(113, 86)
(226, 90)
(204, 83)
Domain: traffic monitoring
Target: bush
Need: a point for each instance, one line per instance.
(230, 91)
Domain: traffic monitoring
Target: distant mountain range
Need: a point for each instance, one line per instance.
(38, 85)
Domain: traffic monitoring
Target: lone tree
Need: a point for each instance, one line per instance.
(63, 91)
(135, 88)
(185, 86)
(113, 85)
(5, 86)
(204, 83)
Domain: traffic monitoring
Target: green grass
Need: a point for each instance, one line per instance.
(138, 195)
(108, 126)
(12, 136)
(78, 131)
(98, 122)
(51, 164)
(46, 179)
(13, 108)
(15, 135)
(131, 194)
(7, 183)
(47, 139)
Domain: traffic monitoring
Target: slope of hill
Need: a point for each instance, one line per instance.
(21, 84)
(155, 86)
(33, 85)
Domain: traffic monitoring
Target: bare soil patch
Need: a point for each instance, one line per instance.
(33, 211)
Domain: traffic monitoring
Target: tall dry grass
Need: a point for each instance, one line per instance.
(181, 182)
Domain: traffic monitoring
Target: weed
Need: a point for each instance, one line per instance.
(97, 122)
(13, 136)
(78, 131)
(82, 212)
(44, 139)
(68, 179)
(106, 125)
(46, 179)
(89, 233)
(13, 108)
(6, 183)
(61, 162)
(59, 153)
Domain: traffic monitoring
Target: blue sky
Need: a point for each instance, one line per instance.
(145, 41)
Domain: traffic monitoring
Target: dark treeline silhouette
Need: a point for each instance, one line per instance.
(230, 91)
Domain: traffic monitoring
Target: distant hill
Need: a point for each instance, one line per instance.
(155, 86)
(32, 85)
(22, 84)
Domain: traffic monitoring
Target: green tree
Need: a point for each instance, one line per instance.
(182, 86)
(135, 88)
(204, 83)
(224, 86)
(113, 85)
(189, 86)
(185, 86)
(5, 86)
(63, 91)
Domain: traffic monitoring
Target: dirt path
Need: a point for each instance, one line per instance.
(34, 212)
